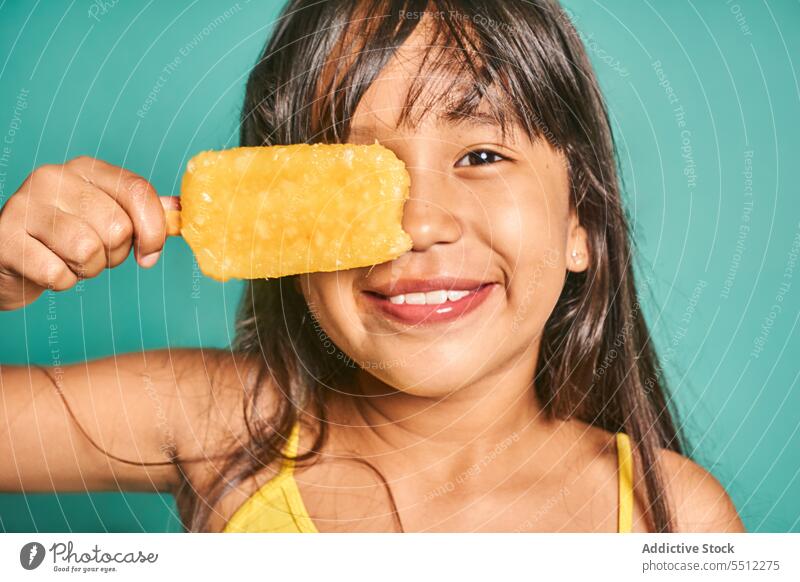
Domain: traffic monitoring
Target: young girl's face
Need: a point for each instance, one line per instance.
(484, 212)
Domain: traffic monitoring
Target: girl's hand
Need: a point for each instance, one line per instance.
(69, 222)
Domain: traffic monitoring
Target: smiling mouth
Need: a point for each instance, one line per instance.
(436, 306)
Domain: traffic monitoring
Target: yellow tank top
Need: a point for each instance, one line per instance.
(278, 507)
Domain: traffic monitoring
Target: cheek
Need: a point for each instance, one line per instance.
(528, 230)
(330, 299)
(528, 214)
(527, 223)
(535, 290)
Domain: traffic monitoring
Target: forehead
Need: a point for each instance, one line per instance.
(418, 86)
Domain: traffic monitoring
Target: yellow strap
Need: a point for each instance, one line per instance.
(290, 450)
(625, 459)
(297, 508)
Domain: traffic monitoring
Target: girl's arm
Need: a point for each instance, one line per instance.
(68, 222)
(116, 402)
(95, 425)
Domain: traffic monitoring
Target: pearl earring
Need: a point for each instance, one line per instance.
(575, 256)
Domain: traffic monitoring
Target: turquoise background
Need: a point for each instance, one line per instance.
(80, 76)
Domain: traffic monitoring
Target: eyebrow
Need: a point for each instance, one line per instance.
(461, 117)
(455, 118)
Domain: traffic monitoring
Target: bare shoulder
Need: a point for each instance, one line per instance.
(700, 502)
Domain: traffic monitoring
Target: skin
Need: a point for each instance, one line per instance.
(427, 424)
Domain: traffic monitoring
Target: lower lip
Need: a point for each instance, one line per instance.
(423, 314)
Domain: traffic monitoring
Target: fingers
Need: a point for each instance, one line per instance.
(71, 221)
(70, 238)
(16, 292)
(31, 260)
(107, 218)
(138, 199)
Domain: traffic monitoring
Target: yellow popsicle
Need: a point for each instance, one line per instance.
(263, 212)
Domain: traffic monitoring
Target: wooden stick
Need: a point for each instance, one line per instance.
(173, 222)
(172, 209)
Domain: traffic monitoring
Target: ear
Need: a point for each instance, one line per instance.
(577, 251)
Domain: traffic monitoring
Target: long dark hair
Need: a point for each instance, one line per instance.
(596, 362)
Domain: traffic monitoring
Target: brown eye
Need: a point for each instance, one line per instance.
(479, 158)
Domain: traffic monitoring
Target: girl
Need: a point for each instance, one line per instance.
(499, 376)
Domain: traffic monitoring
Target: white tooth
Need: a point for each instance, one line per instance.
(456, 295)
(430, 298)
(436, 297)
(415, 298)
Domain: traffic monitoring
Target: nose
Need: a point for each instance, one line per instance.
(428, 214)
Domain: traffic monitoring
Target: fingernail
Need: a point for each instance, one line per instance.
(148, 261)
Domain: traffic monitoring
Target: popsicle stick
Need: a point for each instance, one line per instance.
(172, 209)
(173, 222)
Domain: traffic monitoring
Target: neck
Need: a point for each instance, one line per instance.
(496, 406)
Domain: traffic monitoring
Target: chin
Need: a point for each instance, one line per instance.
(420, 374)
